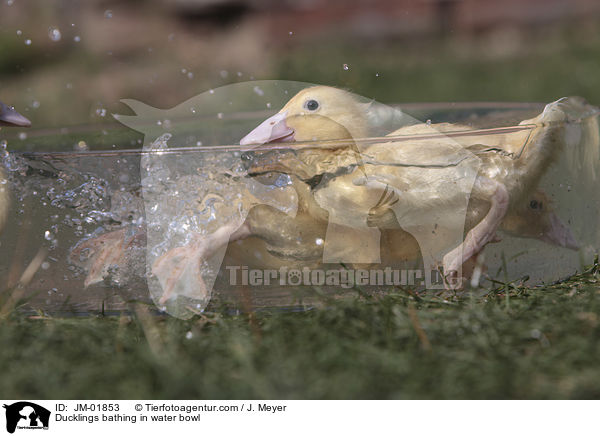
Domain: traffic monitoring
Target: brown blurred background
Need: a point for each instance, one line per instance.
(64, 62)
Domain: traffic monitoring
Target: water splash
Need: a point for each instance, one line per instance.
(54, 34)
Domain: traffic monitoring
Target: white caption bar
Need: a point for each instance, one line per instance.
(23, 417)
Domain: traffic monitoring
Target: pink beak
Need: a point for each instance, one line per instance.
(559, 234)
(273, 129)
(10, 117)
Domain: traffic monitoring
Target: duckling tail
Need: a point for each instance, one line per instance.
(564, 123)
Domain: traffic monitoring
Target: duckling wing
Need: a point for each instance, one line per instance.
(426, 184)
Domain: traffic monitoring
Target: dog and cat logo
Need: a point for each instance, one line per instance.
(26, 415)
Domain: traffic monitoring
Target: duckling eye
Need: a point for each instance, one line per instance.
(535, 205)
(312, 105)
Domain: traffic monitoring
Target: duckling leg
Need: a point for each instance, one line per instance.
(483, 233)
(181, 266)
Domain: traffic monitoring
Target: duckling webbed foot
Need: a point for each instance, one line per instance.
(178, 270)
(113, 249)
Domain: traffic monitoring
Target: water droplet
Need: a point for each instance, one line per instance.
(258, 91)
(47, 235)
(183, 70)
(3, 144)
(345, 67)
(199, 143)
(376, 74)
(77, 38)
(269, 105)
(290, 33)
(22, 136)
(81, 146)
(428, 122)
(211, 91)
(45, 265)
(108, 13)
(54, 34)
(10, 2)
(224, 74)
(239, 74)
(319, 241)
(220, 115)
(28, 41)
(190, 75)
(19, 33)
(35, 104)
(69, 86)
(101, 112)
(189, 335)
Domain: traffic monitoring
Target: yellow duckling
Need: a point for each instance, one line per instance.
(8, 117)
(423, 180)
(422, 176)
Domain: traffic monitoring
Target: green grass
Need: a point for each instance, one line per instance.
(542, 342)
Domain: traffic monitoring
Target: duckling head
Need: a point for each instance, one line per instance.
(10, 117)
(318, 113)
(536, 219)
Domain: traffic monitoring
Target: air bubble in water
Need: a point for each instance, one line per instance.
(345, 67)
(47, 235)
(189, 335)
(28, 41)
(22, 136)
(77, 38)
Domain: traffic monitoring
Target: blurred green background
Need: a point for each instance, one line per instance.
(65, 63)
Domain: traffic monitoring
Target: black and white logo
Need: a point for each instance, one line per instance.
(26, 415)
